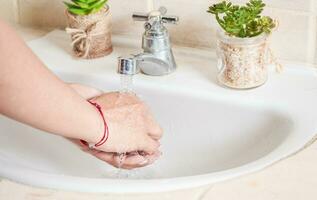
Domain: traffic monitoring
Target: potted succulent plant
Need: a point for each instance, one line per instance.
(89, 24)
(242, 43)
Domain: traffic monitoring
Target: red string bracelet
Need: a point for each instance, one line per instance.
(106, 130)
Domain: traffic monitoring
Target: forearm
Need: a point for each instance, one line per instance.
(31, 94)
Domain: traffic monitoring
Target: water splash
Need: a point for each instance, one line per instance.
(120, 173)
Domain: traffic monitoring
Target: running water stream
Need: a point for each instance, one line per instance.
(126, 84)
(126, 87)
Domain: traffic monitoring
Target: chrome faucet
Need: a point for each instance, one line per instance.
(157, 58)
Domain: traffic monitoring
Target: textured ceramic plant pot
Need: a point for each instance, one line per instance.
(242, 61)
(91, 34)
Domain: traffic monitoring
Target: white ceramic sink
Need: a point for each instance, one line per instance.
(211, 133)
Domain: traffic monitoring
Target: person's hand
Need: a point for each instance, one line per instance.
(132, 130)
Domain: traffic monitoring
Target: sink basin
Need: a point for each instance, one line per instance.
(211, 133)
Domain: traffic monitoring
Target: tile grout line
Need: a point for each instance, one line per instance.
(16, 11)
(150, 5)
(292, 11)
(204, 193)
(311, 47)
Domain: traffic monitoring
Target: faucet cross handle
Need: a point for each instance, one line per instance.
(156, 15)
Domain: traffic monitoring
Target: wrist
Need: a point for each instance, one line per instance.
(100, 130)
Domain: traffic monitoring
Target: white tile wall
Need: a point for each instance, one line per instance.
(196, 27)
(122, 16)
(51, 13)
(295, 38)
(296, 5)
(8, 10)
(41, 12)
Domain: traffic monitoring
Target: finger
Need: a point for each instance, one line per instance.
(135, 160)
(130, 167)
(151, 159)
(110, 158)
(138, 161)
(155, 131)
(77, 142)
(150, 145)
(120, 161)
(128, 161)
(86, 92)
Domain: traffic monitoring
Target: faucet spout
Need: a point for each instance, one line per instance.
(127, 65)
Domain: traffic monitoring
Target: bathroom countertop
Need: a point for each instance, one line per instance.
(291, 179)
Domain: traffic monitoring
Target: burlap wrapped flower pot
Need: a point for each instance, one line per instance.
(90, 34)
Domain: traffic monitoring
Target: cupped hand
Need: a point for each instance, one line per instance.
(131, 125)
(132, 130)
(133, 133)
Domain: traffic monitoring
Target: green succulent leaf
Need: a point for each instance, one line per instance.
(99, 5)
(87, 1)
(78, 11)
(80, 4)
(242, 21)
(85, 7)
